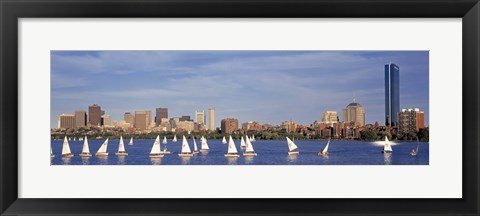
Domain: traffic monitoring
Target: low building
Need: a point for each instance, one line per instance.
(229, 125)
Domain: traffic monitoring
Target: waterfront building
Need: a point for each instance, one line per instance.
(410, 120)
(174, 121)
(211, 119)
(66, 121)
(251, 126)
(185, 125)
(392, 94)
(354, 112)
(140, 120)
(106, 121)
(94, 115)
(80, 118)
(229, 125)
(289, 126)
(129, 118)
(161, 113)
(200, 117)
(330, 117)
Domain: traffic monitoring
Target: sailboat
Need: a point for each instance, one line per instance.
(204, 147)
(102, 151)
(85, 149)
(186, 152)
(164, 140)
(292, 148)
(155, 152)
(242, 142)
(131, 141)
(195, 149)
(121, 148)
(387, 148)
(74, 139)
(165, 150)
(249, 151)
(224, 141)
(66, 153)
(232, 149)
(80, 139)
(414, 152)
(253, 138)
(324, 152)
(174, 138)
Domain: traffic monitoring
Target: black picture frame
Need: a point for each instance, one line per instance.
(12, 10)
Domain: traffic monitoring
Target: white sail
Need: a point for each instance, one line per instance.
(232, 149)
(121, 146)
(174, 138)
(85, 149)
(253, 138)
(185, 146)
(325, 150)
(204, 143)
(387, 146)
(249, 145)
(195, 145)
(242, 142)
(103, 147)
(66, 147)
(418, 143)
(74, 138)
(156, 146)
(224, 141)
(131, 141)
(291, 145)
(164, 140)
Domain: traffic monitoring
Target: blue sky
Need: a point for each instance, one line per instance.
(265, 86)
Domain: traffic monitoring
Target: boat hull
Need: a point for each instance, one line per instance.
(249, 154)
(165, 152)
(101, 154)
(293, 153)
(85, 155)
(195, 152)
(322, 154)
(386, 152)
(232, 155)
(67, 155)
(121, 153)
(156, 156)
(413, 153)
(203, 150)
(185, 155)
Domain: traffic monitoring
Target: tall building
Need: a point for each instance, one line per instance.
(200, 117)
(330, 117)
(66, 121)
(80, 118)
(106, 120)
(392, 94)
(161, 113)
(140, 120)
(149, 117)
(94, 115)
(129, 118)
(229, 125)
(411, 120)
(211, 119)
(354, 112)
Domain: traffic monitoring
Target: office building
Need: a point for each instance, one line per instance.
(66, 121)
(200, 117)
(106, 120)
(80, 118)
(354, 112)
(140, 120)
(149, 117)
(229, 125)
(392, 94)
(161, 113)
(94, 115)
(410, 120)
(330, 117)
(211, 119)
(185, 118)
(129, 118)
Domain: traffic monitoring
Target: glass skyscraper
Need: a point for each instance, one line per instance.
(392, 94)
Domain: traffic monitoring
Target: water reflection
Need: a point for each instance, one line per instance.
(387, 158)
(249, 159)
(103, 160)
(185, 160)
(66, 160)
(155, 161)
(292, 159)
(86, 160)
(232, 160)
(121, 160)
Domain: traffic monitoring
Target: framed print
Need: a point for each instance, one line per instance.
(224, 107)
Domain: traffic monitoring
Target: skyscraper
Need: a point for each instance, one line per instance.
(330, 117)
(67, 121)
(106, 120)
(410, 120)
(392, 94)
(200, 117)
(94, 115)
(129, 118)
(149, 117)
(80, 118)
(354, 112)
(211, 119)
(141, 120)
(160, 113)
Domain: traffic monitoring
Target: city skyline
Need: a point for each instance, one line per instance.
(264, 86)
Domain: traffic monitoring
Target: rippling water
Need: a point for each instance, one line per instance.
(270, 152)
